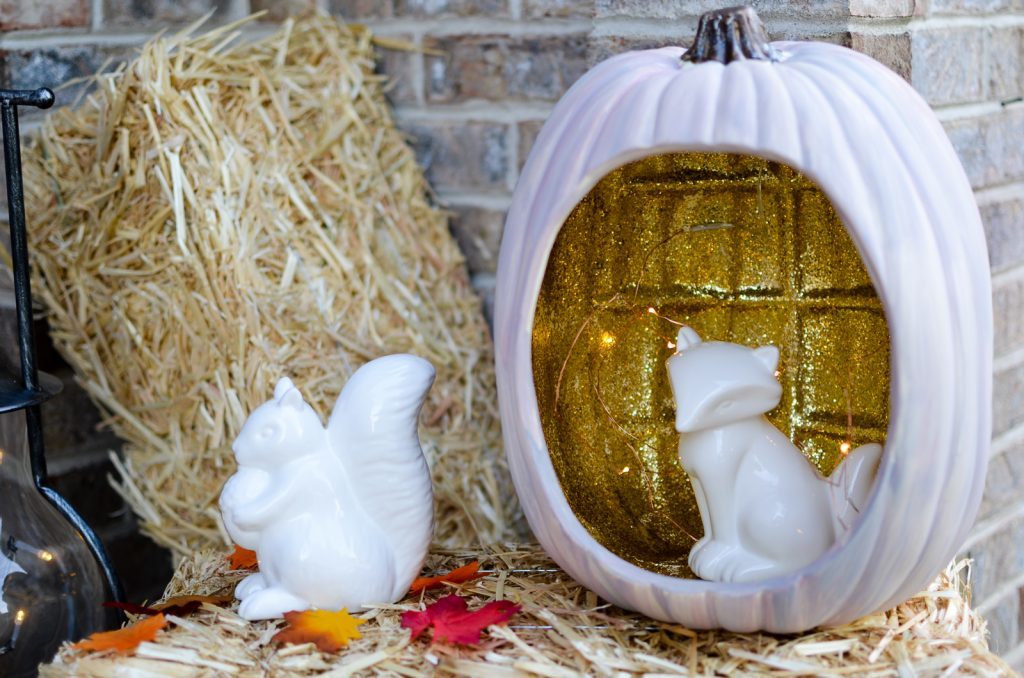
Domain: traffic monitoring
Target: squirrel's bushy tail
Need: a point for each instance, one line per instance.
(850, 485)
(373, 429)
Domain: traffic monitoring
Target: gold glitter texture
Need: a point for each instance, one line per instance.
(743, 250)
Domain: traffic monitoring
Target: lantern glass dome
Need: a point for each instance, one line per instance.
(744, 250)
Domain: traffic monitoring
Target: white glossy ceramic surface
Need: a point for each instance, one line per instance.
(765, 508)
(339, 516)
(880, 155)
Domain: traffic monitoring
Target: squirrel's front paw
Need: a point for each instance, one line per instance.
(270, 603)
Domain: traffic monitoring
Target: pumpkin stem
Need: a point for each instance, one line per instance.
(731, 34)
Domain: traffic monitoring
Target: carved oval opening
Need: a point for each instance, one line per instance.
(740, 248)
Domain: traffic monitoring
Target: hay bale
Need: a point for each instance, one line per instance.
(221, 213)
(563, 630)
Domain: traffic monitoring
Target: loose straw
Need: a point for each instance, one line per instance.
(563, 630)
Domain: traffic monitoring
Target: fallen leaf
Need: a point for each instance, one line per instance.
(131, 608)
(243, 559)
(454, 623)
(330, 631)
(457, 576)
(178, 606)
(126, 639)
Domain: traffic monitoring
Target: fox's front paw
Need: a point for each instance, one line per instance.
(708, 558)
(718, 561)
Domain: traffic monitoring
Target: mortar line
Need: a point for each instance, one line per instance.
(1008, 361)
(25, 40)
(1006, 441)
(986, 528)
(479, 26)
(96, 15)
(1001, 593)
(499, 202)
(418, 71)
(952, 112)
(515, 9)
(1007, 276)
(484, 281)
(895, 25)
(1013, 190)
(512, 156)
(683, 27)
(485, 111)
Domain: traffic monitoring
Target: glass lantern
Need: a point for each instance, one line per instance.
(54, 573)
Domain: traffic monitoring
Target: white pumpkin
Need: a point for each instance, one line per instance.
(877, 151)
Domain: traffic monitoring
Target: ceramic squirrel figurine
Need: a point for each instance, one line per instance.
(766, 510)
(339, 516)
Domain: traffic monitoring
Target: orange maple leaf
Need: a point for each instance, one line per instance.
(330, 631)
(126, 639)
(457, 576)
(243, 559)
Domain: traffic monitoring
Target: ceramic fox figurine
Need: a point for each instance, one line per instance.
(766, 510)
(342, 515)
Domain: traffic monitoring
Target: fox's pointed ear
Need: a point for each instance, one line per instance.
(284, 384)
(292, 398)
(769, 355)
(687, 337)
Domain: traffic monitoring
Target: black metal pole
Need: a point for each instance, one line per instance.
(9, 102)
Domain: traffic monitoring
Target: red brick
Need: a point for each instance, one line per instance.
(1008, 400)
(1004, 230)
(892, 50)
(278, 10)
(989, 146)
(461, 155)
(362, 9)
(478, 232)
(397, 65)
(19, 14)
(498, 67)
(528, 131)
(1008, 305)
(432, 8)
(882, 8)
(560, 9)
(157, 12)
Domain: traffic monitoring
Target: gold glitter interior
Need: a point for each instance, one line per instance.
(740, 248)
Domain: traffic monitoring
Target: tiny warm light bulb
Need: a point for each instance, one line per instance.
(45, 556)
(844, 447)
(650, 309)
(19, 618)
(625, 469)
(607, 339)
(778, 373)
(671, 345)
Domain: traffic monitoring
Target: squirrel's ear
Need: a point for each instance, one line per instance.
(769, 355)
(292, 398)
(284, 384)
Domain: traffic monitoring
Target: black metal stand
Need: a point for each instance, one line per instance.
(35, 387)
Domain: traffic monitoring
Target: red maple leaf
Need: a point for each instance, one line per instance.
(454, 623)
(459, 575)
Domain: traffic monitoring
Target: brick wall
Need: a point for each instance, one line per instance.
(475, 111)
